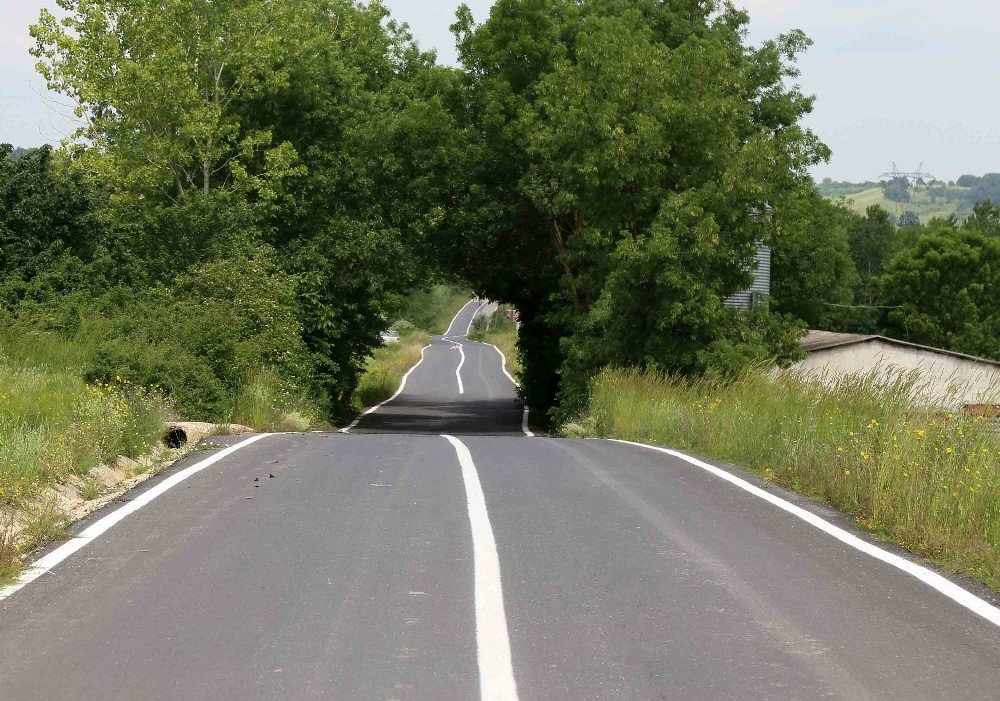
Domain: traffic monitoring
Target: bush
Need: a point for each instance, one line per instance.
(198, 341)
(404, 327)
(433, 308)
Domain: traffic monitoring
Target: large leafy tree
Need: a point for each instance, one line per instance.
(873, 242)
(812, 274)
(623, 155)
(943, 292)
(155, 81)
(312, 127)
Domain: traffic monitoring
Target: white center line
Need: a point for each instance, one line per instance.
(458, 370)
(496, 671)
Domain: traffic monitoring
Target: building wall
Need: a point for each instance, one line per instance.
(761, 286)
(950, 382)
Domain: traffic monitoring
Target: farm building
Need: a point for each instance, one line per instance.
(951, 381)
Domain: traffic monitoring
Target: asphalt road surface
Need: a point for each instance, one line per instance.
(437, 552)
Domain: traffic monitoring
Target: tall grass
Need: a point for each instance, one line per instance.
(386, 368)
(52, 425)
(499, 330)
(265, 403)
(927, 480)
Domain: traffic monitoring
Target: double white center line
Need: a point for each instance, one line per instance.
(496, 671)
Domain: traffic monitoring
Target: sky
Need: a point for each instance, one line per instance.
(906, 81)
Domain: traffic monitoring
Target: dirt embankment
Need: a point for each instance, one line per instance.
(48, 515)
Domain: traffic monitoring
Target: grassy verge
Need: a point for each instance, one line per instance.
(264, 403)
(927, 481)
(387, 366)
(432, 309)
(500, 331)
(54, 425)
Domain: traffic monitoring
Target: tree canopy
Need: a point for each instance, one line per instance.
(622, 159)
(607, 167)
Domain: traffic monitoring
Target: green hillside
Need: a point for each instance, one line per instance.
(926, 204)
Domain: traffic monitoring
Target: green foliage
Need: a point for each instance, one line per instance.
(897, 189)
(432, 309)
(313, 128)
(945, 290)
(403, 327)
(619, 156)
(181, 132)
(47, 215)
(813, 276)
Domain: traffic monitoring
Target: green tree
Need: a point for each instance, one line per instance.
(621, 154)
(155, 82)
(945, 292)
(985, 218)
(315, 128)
(813, 276)
(50, 218)
(872, 240)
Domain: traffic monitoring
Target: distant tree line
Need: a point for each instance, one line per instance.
(935, 284)
(18, 152)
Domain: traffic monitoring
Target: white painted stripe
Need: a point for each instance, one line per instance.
(458, 370)
(455, 318)
(402, 384)
(928, 577)
(496, 670)
(527, 411)
(46, 563)
(468, 329)
(503, 366)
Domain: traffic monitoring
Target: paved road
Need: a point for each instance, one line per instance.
(394, 563)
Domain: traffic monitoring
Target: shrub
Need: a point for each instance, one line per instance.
(404, 327)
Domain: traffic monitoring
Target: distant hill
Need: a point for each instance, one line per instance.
(18, 152)
(938, 200)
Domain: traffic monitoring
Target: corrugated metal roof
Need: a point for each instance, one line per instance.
(815, 340)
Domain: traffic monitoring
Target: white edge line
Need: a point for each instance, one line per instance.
(932, 579)
(527, 411)
(468, 329)
(496, 669)
(402, 385)
(95, 530)
(447, 332)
